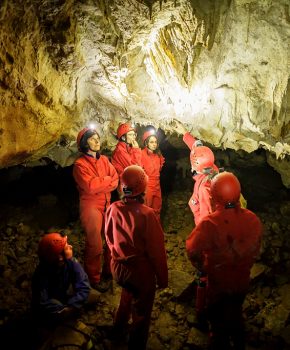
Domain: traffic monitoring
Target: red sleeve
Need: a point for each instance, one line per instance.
(155, 249)
(89, 182)
(136, 156)
(114, 177)
(204, 196)
(199, 241)
(121, 158)
(189, 140)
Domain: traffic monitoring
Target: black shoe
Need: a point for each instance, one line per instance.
(103, 286)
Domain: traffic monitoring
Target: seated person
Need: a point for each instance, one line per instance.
(60, 286)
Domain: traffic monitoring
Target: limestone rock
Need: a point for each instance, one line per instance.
(257, 270)
(208, 63)
(180, 282)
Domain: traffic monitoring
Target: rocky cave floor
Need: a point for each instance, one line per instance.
(266, 309)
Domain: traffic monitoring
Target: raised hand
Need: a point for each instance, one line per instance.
(135, 144)
(178, 127)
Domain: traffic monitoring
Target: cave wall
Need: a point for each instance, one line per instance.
(222, 67)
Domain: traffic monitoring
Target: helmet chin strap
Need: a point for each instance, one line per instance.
(97, 153)
(230, 205)
(124, 139)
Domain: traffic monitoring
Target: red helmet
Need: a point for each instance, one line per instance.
(225, 188)
(123, 129)
(83, 136)
(50, 246)
(148, 133)
(133, 181)
(201, 157)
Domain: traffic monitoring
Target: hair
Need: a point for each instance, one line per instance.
(84, 147)
(157, 151)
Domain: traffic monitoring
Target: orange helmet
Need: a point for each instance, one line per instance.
(123, 129)
(83, 136)
(201, 157)
(148, 133)
(133, 181)
(225, 188)
(50, 246)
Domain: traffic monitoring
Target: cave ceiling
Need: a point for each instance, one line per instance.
(220, 66)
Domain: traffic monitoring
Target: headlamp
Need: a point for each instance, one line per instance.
(92, 126)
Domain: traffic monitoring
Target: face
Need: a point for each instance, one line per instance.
(66, 254)
(130, 137)
(94, 143)
(152, 143)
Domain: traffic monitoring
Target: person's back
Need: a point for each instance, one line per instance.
(223, 246)
(134, 234)
(136, 241)
(231, 242)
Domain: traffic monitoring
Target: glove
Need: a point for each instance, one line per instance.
(198, 143)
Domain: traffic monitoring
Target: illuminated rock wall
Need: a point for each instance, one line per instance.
(222, 67)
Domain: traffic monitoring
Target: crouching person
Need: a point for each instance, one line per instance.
(224, 246)
(136, 241)
(60, 286)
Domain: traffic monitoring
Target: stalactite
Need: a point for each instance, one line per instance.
(104, 7)
(3, 10)
(149, 4)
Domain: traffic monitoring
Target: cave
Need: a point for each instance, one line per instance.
(221, 67)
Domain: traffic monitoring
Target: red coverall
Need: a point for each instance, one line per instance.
(125, 155)
(224, 245)
(136, 242)
(95, 179)
(152, 164)
(200, 201)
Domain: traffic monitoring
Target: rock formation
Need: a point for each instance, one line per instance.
(221, 67)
